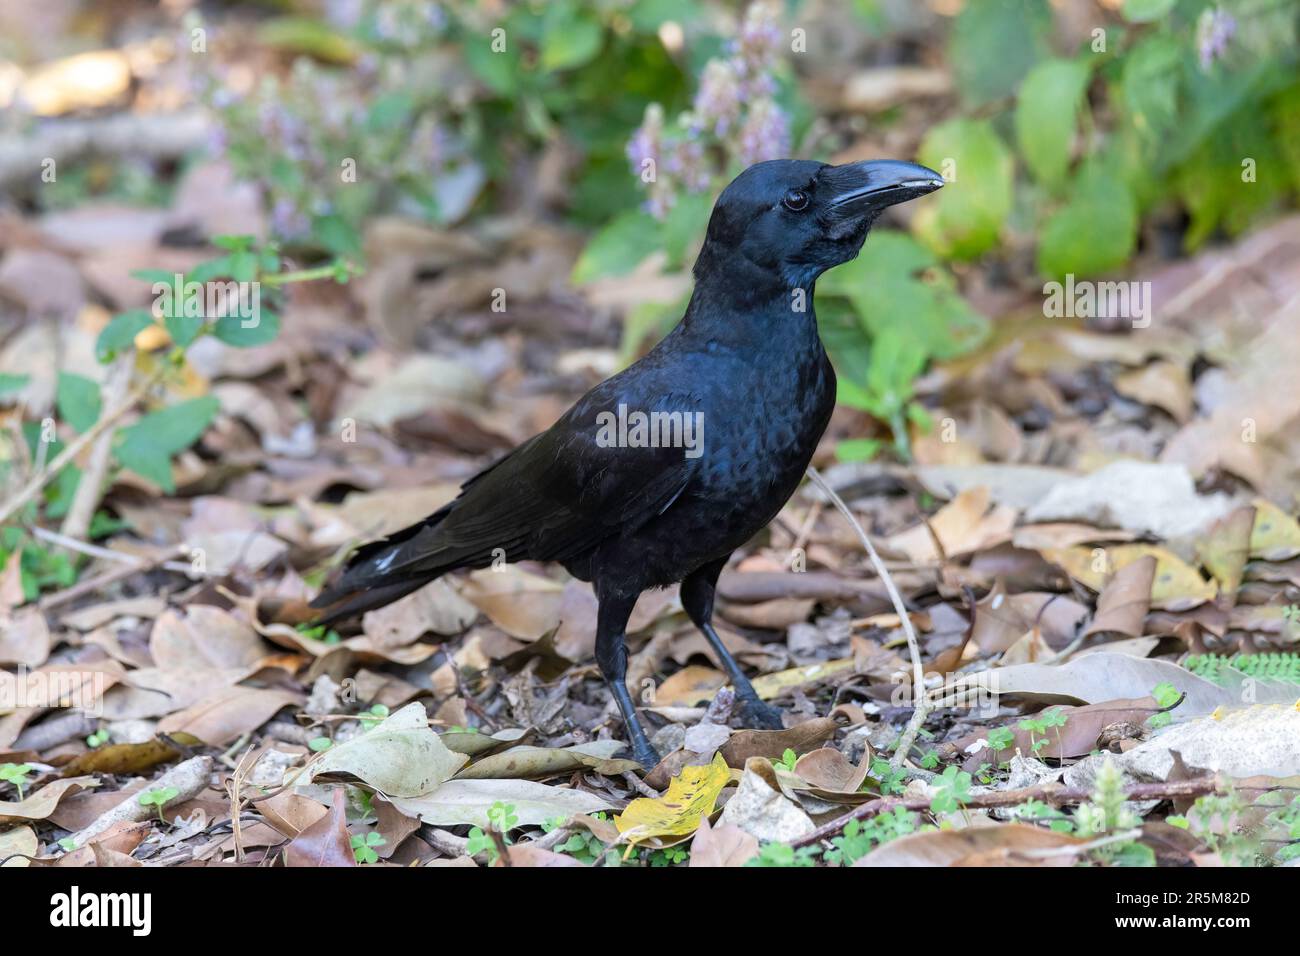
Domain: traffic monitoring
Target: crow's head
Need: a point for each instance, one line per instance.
(794, 219)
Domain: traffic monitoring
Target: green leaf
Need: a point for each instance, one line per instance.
(148, 446)
(966, 217)
(1094, 232)
(1047, 116)
(1145, 11)
(235, 330)
(994, 43)
(78, 401)
(497, 70)
(309, 36)
(120, 333)
(10, 383)
(619, 247)
(1150, 84)
(570, 41)
(183, 329)
(895, 276)
(857, 449)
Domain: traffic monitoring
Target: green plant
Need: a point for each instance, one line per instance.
(952, 790)
(501, 819)
(401, 106)
(1108, 813)
(372, 718)
(317, 744)
(16, 773)
(784, 855)
(234, 298)
(860, 838)
(1000, 739)
(319, 632)
(787, 761)
(582, 845)
(363, 846)
(668, 856)
(1274, 665)
(98, 738)
(891, 781)
(158, 797)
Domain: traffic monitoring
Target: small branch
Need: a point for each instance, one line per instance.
(77, 522)
(47, 473)
(920, 702)
(1052, 793)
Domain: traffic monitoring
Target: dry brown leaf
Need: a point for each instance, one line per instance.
(800, 738)
(522, 604)
(1164, 384)
(326, 842)
(228, 714)
(963, 525)
(724, 845)
(1125, 599)
(1010, 844)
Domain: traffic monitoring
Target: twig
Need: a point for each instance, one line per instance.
(82, 510)
(920, 702)
(503, 851)
(118, 557)
(74, 448)
(1052, 793)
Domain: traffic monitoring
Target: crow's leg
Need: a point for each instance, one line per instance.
(611, 655)
(697, 598)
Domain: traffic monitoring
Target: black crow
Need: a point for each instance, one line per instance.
(659, 473)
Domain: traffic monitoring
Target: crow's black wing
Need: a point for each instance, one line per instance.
(553, 498)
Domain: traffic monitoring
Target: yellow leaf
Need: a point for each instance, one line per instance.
(690, 798)
(771, 685)
(1177, 585)
(1276, 535)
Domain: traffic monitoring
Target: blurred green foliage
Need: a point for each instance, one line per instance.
(1185, 112)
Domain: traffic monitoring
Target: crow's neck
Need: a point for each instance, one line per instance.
(752, 311)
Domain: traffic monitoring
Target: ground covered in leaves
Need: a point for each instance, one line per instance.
(1094, 534)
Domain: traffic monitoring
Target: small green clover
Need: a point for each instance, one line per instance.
(317, 744)
(1166, 695)
(930, 759)
(952, 791)
(372, 718)
(16, 773)
(783, 855)
(363, 846)
(501, 816)
(98, 738)
(68, 844)
(891, 781)
(479, 842)
(787, 761)
(158, 797)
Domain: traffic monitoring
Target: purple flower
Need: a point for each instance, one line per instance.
(287, 220)
(1213, 31)
(758, 48)
(765, 135)
(717, 103)
(647, 140)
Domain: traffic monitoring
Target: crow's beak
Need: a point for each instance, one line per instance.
(871, 185)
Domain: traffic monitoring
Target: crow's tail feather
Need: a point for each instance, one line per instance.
(363, 585)
(339, 605)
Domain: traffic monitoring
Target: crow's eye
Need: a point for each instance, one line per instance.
(795, 200)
